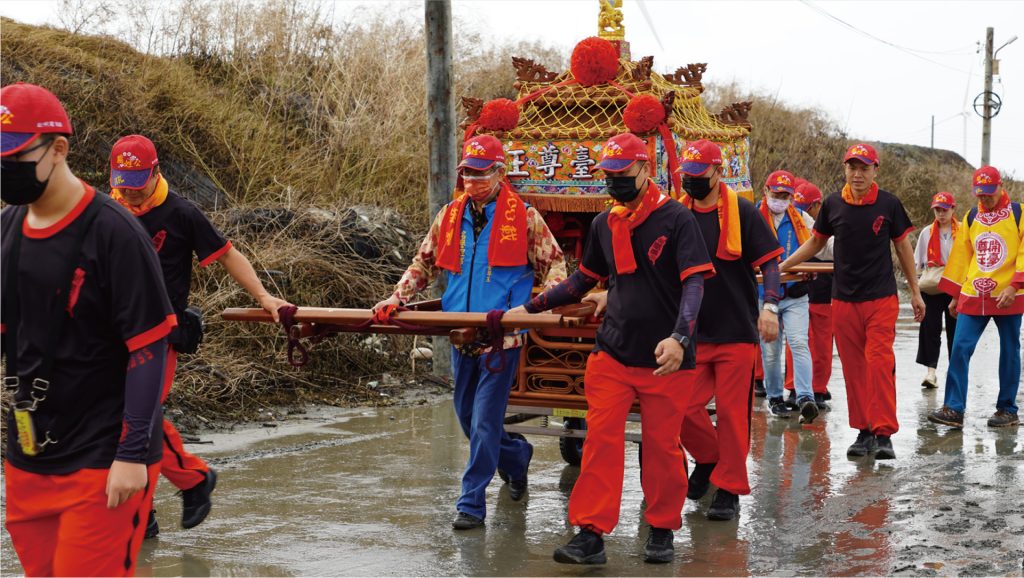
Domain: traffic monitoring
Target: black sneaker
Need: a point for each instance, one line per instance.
(152, 527)
(866, 444)
(947, 416)
(808, 409)
(196, 501)
(584, 548)
(516, 488)
(791, 400)
(884, 451)
(759, 390)
(464, 521)
(659, 549)
(819, 399)
(778, 408)
(725, 506)
(699, 481)
(827, 396)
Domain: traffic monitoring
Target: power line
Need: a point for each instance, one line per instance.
(913, 52)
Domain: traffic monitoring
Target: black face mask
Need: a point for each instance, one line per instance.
(18, 182)
(697, 187)
(622, 189)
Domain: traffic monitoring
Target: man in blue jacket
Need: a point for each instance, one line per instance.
(491, 247)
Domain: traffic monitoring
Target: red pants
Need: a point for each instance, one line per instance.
(610, 389)
(821, 345)
(183, 469)
(865, 333)
(725, 371)
(60, 524)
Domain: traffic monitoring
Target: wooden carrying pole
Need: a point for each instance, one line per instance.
(332, 316)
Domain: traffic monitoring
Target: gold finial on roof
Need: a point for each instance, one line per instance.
(609, 20)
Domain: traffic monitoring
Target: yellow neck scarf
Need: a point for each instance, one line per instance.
(155, 200)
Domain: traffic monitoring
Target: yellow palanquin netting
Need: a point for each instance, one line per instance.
(574, 111)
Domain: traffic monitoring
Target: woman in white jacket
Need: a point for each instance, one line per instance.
(933, 246)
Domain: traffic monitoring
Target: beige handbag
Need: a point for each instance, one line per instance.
(929, 281)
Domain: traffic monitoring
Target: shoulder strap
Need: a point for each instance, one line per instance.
(971, 215)
(57, 315)
(1015, 207)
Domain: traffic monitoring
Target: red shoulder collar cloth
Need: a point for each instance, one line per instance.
(868, 199)
(802, 234)
(622, 221)
(730, 240)
(507, 245)
(935, 244)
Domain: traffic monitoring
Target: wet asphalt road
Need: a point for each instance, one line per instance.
(371, 492)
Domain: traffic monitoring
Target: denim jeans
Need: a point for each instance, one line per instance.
(480, 400)
(968, 331)
(793, 320)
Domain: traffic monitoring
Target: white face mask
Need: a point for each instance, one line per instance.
(777, 206)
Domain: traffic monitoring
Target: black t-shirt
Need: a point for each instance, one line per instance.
(178, 229)
(117, 303)
(864, 233)
(728, 313)
(643, 306)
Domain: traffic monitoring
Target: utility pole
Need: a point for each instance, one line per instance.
(986, 118)
(440, 137)
(933, 131)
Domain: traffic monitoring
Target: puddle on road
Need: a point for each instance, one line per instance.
(371, 492)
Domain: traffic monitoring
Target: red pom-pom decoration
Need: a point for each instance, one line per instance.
(499, 114)
(594, 61)
(643, 113)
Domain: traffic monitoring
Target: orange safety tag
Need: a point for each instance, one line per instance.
(26, 432)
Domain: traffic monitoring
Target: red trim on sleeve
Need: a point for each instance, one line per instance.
(3, 328)
(708, 269)
(1018, 280)
(903, 236)
(66, 220)
(591, 274)
(215, 255)
(152, 335)
(769, 256)
(949, 287)
(819, 234)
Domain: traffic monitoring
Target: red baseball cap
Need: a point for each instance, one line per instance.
(27, 111)
(987, 181)
(781, 182)
(131, 162)
(621, 152)
(864, 153)
(481, 152)
(806, 194)
(698, 156)
(943, 200)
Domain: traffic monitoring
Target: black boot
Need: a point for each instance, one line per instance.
(659, 549)
(152, 527)
(196, 501)
(759, 390)
(865, 445)
(725, 506)
(699, 481)
(585, 548)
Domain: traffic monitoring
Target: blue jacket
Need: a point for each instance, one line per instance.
(480, 288)
(790, 243)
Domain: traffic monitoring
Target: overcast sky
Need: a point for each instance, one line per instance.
(880, 69)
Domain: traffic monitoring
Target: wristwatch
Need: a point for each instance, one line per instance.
(682, 339)
(771, 307)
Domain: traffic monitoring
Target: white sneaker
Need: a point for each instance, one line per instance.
(929, 381)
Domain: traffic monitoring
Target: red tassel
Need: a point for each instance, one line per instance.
(594, 61)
